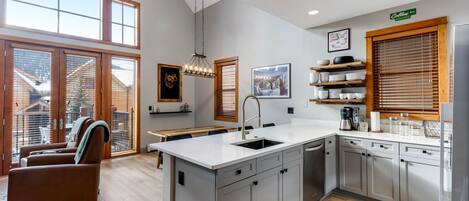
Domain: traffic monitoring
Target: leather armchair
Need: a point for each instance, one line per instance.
(65, 147)
(64, 176)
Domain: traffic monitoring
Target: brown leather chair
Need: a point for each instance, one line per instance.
(65, 147)
(64, 176)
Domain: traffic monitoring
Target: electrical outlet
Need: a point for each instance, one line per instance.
(291, 110)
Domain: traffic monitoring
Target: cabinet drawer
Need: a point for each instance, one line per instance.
(353, 143)
(419, 151)
(234, 173)
(268, 162)
(292, 154)
(383, 146)
(331, 142)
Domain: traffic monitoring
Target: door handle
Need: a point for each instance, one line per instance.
(314, 148)
(54, 124)
(61, 124)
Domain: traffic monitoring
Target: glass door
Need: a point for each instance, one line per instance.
(2, 78)
(30, 102)
(81, 91)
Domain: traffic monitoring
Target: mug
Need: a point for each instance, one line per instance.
(324, 77)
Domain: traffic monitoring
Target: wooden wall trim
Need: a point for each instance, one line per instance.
(2, 74)
(67, 46)
(408, 27)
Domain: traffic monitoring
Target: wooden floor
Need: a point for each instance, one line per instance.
(135, 178)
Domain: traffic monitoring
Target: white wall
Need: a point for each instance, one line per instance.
(167, 37)
(236, 28)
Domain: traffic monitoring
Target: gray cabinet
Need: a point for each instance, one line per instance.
(383, 176)
(353, 170)
(239, 191)
(331, 171)
(420, 179)
(292, 181)
(267, 186)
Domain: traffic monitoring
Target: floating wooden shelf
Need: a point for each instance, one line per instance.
(352, 83)
(339, 101)
(357, 65)
(172, 112)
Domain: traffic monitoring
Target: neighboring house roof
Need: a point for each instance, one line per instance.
(38, 86)
(36, 108)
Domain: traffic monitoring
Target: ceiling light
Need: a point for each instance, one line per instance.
(313, 12)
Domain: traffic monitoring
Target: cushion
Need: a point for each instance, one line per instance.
(87, 137)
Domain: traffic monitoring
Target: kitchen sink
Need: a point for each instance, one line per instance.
(258, 144)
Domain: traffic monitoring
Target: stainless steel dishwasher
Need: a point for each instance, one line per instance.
(313, 171)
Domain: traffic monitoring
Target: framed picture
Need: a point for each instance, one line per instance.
(338, 40)
(169, 83)
(271, 81)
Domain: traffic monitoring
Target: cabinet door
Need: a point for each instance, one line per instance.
(419, 179)
(383, 176)
(292, 182)
(267, 186)
(239, 191)
(331, 171)
(353, 170)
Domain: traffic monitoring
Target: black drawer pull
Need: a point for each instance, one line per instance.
(255, 183)
(369, 155)
(352, 142)
(424, 151)
(402, 160)
(363, 154)
(285, 170)
(382, 146)
(330, 142)
(327, 153)
(281, 171)
(238, 172)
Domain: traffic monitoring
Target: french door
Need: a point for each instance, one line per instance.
(46, 90)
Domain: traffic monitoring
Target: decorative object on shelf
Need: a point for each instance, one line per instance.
(359, 95)
(323, 94)
(355, 76)
(313, 77)
(184, 107)
(343, 60)
(343, 96)
(337, 78)
(334, 93)
(354, 83)
(338, 40)
(375, 122)
(363, 127)
(316, 92)
(324, 77)
(198, 65)
(169, 83)
(323, 62)
(271, 81)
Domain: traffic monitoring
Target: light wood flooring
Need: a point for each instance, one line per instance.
(135, 178)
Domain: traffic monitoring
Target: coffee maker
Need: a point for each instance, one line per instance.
(346, 119)
(349, 118)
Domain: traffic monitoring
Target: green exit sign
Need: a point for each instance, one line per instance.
(403, 15)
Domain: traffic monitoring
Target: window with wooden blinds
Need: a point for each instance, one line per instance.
(407, 72)
(226, 89)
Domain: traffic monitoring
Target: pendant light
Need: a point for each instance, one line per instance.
(198, 65)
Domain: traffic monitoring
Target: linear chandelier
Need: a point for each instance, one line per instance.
(198, 65)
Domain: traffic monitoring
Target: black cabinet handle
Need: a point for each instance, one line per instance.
(327, 153)
(424, 151)
(363, 154)
(369, 155)
(330, 142)
(402, 160)
(285, 170)
(281, 171)
(382, 146)
(238, 172)
(255, 183)
(352, 142)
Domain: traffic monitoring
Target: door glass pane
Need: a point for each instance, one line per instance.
(31, 99)
(81, 90)
(123, 104)
(29, 16)
(80, 26)
(46, 3)
(91, 8)
(117, 12)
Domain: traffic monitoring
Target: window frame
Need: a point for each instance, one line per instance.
(106, 26)
(438, 24)
(218, 65)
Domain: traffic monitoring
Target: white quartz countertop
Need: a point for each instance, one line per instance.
(217, 151)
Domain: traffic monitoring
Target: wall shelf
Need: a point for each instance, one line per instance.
(339, 101)
(171, 112)
(357, 65)
(352, 83)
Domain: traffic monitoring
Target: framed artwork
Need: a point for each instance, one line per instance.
(271, 81)
(169, 83)
(338, 40)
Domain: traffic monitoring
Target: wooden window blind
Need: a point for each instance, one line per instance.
(407, 70)
(226, 89)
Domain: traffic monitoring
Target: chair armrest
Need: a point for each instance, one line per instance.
(26, 151)
(51, 159)
(54, 183)
(54, 151)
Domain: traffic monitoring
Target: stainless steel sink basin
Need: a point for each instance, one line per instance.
(258, 144)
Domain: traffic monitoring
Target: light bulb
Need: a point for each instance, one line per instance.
(210, 70)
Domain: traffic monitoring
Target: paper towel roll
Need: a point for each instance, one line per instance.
(375, 122)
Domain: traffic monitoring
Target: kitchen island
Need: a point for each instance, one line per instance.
(214, 168)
